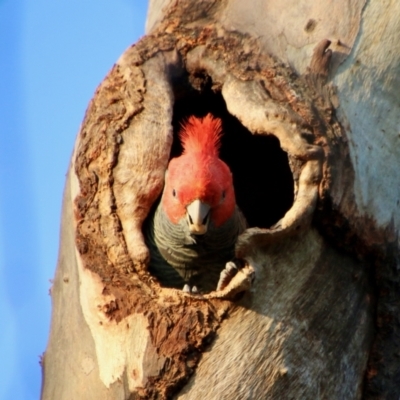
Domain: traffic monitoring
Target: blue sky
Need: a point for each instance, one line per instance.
(53, 56)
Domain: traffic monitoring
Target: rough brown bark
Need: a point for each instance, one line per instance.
(324, 273)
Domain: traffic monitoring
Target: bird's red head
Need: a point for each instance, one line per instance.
(199, 178)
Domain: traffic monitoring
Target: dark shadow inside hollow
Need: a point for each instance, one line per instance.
(262, 177)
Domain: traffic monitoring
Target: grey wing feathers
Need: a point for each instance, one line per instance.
(177, 258)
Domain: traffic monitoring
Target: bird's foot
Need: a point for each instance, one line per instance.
(227, 274)
(233, 282)
(188, 289)
(234, 279)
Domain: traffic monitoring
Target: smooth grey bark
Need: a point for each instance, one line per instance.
(321, 318)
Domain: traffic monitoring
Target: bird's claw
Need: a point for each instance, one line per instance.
(234, 278)
(227, 274)
(240, 282)
(188, 289)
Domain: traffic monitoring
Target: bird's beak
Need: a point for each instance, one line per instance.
(197, 214)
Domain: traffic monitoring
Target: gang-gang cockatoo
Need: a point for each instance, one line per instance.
(193, 231)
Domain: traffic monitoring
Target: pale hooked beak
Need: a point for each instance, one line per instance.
(197, 214)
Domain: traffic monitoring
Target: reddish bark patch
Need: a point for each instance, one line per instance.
(180, 326)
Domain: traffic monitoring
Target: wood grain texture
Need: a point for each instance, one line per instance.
(326, 275)
(304, 330)
(70, 367)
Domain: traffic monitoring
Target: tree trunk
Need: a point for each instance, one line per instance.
(307, 93)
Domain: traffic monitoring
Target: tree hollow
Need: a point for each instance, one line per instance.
(262, 176)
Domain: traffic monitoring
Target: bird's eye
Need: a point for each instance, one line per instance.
(174, 192)
(223, 195)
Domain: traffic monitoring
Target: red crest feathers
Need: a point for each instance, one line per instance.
(201, 135)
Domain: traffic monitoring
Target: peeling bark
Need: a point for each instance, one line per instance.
(305, 327)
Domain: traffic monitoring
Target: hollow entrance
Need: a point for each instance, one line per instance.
(262, 177)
